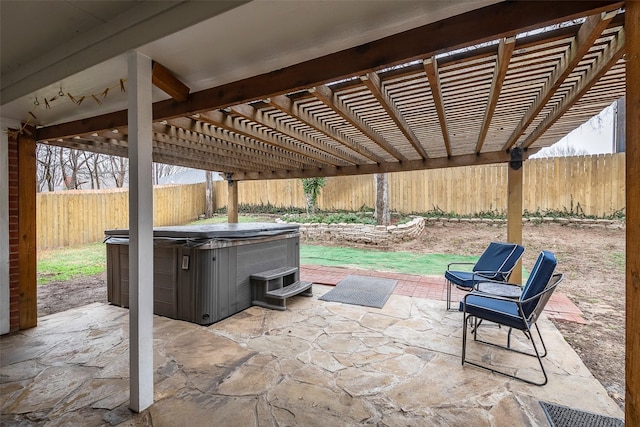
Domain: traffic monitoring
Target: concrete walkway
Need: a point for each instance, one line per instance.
(316, 364)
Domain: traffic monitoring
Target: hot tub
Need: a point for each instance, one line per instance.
(201, 273)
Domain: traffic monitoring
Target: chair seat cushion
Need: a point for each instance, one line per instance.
(493, 310)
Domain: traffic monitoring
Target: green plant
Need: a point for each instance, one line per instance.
(312, 188)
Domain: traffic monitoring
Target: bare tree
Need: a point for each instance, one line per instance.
(117, 170)
(209, 194)
(161, 170)
(71, 163)
(383, 216)
(48, 170)
(561, 151)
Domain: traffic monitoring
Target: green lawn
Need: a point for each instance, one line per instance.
(69, 263)
(401, 262)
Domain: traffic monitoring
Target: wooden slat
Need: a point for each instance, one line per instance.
(286, 105)
(373, 83)
(326, 95)
(289, 149)
(505, 49)
(431, 69)
(612, 54)
(314, 149)
(187, 130)
(589, 31)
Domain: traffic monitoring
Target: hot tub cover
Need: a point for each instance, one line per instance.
(207, 232)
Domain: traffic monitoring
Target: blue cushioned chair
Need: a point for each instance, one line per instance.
(520, 313)
(495, 264)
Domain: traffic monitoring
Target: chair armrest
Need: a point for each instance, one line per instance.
(459, 263)
(487, 275)
(490, 296)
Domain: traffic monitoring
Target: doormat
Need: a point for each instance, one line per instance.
(361, 290)
(563, 416)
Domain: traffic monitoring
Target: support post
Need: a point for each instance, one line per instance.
(232, 201)
(514, 210)
(27, 231)
(632, 353)
(140, 233)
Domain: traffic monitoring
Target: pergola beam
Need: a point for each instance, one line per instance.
(241, 144)
(314, 149)
(589, 32)
(324, 94)
(610, 56)
(169, 83)
(504, 19)
(431, 69)
(219, 126)
(373, 83)
(286, 105)
(409, 165)
(287, 148)
(505, 50)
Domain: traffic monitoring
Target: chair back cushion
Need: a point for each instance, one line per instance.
(538, 280)
(500, 258)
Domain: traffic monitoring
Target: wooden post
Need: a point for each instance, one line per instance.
(140, 233)
(27, 231)
(514, 215)
(632, 359)
(232, 202)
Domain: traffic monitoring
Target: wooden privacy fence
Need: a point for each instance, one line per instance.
(590, 185)
(67, 218)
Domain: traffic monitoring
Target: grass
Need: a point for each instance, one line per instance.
(400, 262)
(69, 263)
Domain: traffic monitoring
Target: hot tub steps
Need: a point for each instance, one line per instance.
(272, 288)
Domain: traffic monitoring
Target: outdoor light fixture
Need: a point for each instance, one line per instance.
(516, 158)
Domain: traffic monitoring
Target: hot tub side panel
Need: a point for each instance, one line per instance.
(222, 275)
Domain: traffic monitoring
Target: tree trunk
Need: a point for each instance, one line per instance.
(209, 193)
(383, 217)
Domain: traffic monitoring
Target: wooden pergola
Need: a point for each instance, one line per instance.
(490, 85)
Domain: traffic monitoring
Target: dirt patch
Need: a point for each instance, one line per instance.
(591, 258)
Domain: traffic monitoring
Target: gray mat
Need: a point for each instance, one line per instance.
(563, 416)
(361, 290)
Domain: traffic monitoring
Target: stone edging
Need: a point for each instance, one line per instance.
(580, 222)
(362, 233)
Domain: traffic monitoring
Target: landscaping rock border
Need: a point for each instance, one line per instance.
(382, 235)
(578, 222)
(363, 233)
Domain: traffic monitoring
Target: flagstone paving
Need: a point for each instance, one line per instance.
(315, 364)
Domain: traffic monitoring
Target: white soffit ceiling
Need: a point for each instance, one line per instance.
(254, 38)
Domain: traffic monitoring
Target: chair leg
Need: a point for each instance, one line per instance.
(491, 369)
(449, 285)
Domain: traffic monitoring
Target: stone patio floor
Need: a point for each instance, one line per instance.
(316, 364)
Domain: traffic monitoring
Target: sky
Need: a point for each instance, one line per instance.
(594, 136)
